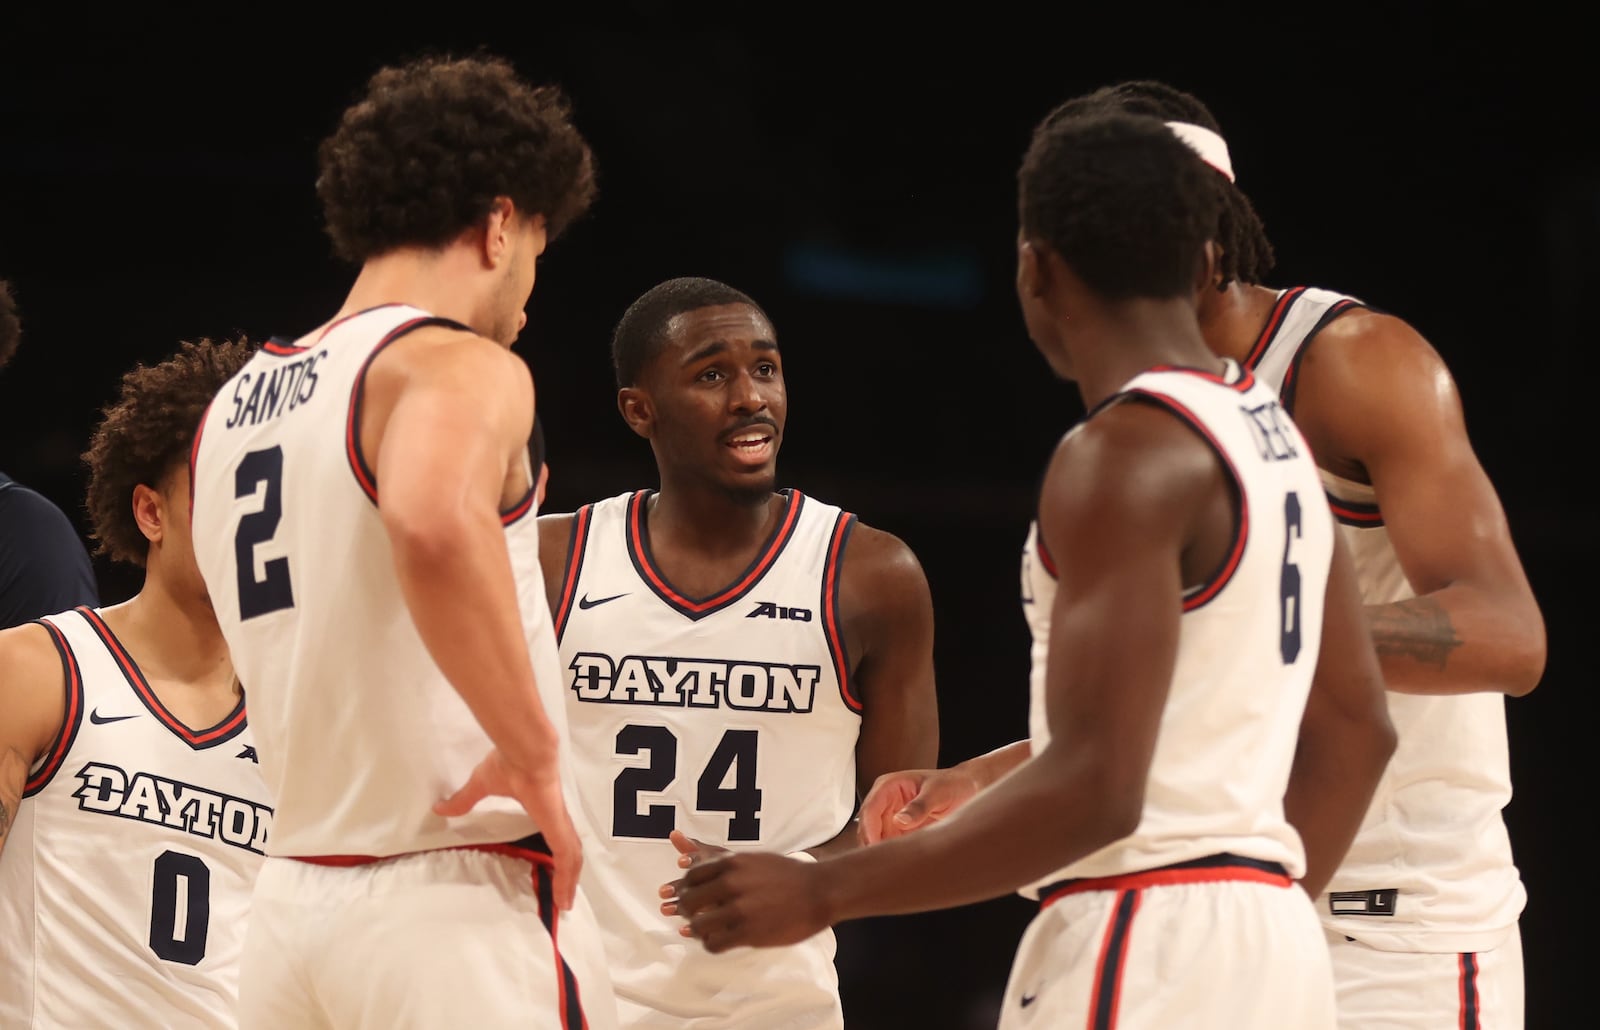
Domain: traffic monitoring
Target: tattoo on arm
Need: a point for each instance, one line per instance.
(1419, 629)
(13, 776)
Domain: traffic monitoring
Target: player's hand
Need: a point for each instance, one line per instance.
(754, 899)
(539, 794)
(900, 802)
(692, 852)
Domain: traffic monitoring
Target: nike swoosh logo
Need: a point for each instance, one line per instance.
(100, 720)
(1029, 999)
(586, 604)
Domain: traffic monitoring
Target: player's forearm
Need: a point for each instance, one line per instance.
(845, 840)
(1330, 788)
(1458, 641)
(991, 766)
(1043, 816)
(455, 575)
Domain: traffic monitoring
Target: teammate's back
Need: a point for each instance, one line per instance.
(364, 519)
(360, 731)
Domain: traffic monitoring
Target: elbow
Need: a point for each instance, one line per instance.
(1528, 655)
(423, 536)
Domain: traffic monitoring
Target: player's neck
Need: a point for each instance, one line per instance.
(1126, 338)
(172, 639)
(440, 282)
(710, 521)
(1232, 319)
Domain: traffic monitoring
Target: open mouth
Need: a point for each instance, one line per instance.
(752, 446)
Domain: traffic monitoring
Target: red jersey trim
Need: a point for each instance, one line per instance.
(230, 725)
(72, 717)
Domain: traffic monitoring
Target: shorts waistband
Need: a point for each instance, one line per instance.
(1210, 869)
(532, 847)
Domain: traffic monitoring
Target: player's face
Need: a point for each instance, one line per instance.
(522, 268)
(179, 570)
(717, 398)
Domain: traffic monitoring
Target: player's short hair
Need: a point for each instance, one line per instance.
(10, 324)
(1125, 203)
(424, 153)
(1247, 254)
(641, 333)
(145, 434)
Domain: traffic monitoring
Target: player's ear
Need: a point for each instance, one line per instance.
(637, 411)
(1031, 271)
(499, 232)
(149, 512)
(1208, 273)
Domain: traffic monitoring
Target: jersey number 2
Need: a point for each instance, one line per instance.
(735, 753)
(180, 908)
(272, 591)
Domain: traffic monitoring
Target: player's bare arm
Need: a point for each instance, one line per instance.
(886, 612)
(32, 708)
(1130, 482)
(447, 430)
(909, 799)
(1346, 737)
(1377, 403)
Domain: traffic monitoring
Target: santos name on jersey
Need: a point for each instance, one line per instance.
(1431, 868)
(360, 733)
(728, 717)
(1247, 646)
(125, 883)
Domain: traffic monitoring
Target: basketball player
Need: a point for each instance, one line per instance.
(43, 565)
(1422, 916)
(364, 515)
(133, 814)
(1206, 620)
(740, 660)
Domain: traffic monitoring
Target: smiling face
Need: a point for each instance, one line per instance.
(712, 400)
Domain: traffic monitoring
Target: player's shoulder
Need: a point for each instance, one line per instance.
(1365, 341)
(879, 564)
(1135, 455)
(28, 654)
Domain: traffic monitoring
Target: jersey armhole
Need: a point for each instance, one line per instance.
(1201, 593)
(72, 715)
(577, 541)
(843, 525)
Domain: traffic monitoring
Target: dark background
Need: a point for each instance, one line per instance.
(856, 175)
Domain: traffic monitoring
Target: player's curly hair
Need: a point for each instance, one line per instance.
(424, 153)
(145, 435)
(1247, 254)
(1125, 203)
(10, 324)
(641, 333)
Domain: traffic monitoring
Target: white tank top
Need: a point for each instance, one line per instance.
(1247, 647)
(729, 717)
(125, 882)
(1434, 835)
(359, 731)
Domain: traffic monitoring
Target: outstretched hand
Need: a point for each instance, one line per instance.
(539, 794)
(754, 899)
(900, 802)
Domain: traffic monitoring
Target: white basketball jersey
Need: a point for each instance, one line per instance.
(1434, 835)
(728, 717)
(359, 731)
(125, 882)
(1247, 645)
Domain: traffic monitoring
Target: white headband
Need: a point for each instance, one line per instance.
(1211, 147)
